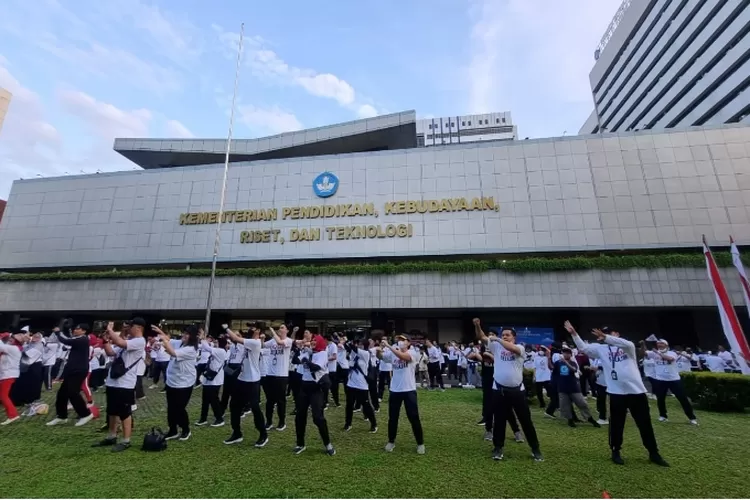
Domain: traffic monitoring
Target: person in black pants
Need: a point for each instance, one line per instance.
(625, 388)
(435, 357)
(314, 361)
(211, 386)
(508, 393)
(75, 372)
(247, 388)
(277, 377)
(180, 379)
(358, 389)
(374, 378)
(667, 378)
(234, 363)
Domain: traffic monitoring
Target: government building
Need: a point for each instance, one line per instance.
(356, 226)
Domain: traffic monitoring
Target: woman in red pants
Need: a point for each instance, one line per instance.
(10, 361)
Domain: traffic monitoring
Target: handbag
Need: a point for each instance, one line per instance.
(118, 368)
(154, 441)
(208, 373)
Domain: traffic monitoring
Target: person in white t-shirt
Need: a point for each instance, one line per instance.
(434, 360)
(181, 373)
(278, 374)
(127, 349)
(247, 387)
(403, 390)
(342, 369)
(542, 375)
(10, 363)
(728, 358)
(600, 389)
(357, 383)
(160, 361)
(714, 363)
(49, 357)
(508, 390)
(649, 370)
(374, 376)
(314, 362)
(667, 378)
(212, 380)
(625, 388)
(332, 365)
(384, 376)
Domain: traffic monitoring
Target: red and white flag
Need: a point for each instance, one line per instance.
(729, 321)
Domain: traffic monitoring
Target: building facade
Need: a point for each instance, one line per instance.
(620, 193)
(5, 98)
(465, 129)
(672, 63)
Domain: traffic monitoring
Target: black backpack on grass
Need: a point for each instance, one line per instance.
(154, 441)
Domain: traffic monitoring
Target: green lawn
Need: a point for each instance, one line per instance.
(710, 461)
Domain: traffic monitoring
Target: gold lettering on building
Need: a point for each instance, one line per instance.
(369, 232)
(329, 211)
(443, 205)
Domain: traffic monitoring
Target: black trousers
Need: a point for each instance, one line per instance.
(311, 397)
(409, 400)
(384, 378)
(47, 376)
(70, 390)
(362, 398)
(452, 368)
(505, 401)
(294, 385)
(177, 415)
(157, 368)
(244, 394)
(436, 378)
(554, 398)
(199, 369)
(210, 397)
(56, 369)
(276, 396)
(661, 388)
(229, 383)
(540, 388)
(342, 375)
(325, 384)
(487, 410)
(139, 394)
(585, 381)
(637, 404)
(601, 401)
(373, 390)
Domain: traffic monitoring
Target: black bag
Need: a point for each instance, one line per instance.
(368, 376)
(102, 360)
(208, 373)
(118, 368)
(154, 441)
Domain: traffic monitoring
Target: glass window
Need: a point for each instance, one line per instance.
(463, 124)
(469, 123)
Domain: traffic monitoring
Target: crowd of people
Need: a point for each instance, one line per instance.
(236, 370)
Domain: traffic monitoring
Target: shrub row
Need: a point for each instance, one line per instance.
(723, 392)
(515, 265)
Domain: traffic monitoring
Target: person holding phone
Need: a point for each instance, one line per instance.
(627, 394)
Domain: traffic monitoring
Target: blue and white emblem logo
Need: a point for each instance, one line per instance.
(325, 185)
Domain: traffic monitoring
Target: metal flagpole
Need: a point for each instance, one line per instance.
(217, 240)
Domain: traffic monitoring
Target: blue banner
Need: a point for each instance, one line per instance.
(530, 335)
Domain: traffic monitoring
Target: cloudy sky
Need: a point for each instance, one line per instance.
(83, 72)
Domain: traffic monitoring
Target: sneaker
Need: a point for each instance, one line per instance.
(57, 421)
(163, 391)
(482, 422)
(549, 415)
(70, 406)
(120, 447)
(602, 421)
(389, 447)
(663, 419)
(247, 412)
(201, 423)
(105, 442)
(299, 449)
(269, 427)
(571, 422)
(617, 458)
(281, 428)
(518, 437)
(153, 386)
(497, 454)
(261, 442)
(537, 456)
(421, 450)
(357, 410)
(694, 422)
(234, 439)
(594, 422)
(133, 408)
(172, 435)
(185, 435)
(9, 421)
(218, 423)
(377, 410)
(658, 460)
(347, 428)
(488, 435)
(84, 420)
(373, 430)
(330, 450)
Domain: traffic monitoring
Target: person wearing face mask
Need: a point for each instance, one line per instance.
(247, 387)
(627, 394)
(10, 361)
(667, 378)
(508, 390)
(357, 383)
(74, 375)
(403, 391)
(278, 374)
(212, 380)
(314, 361)
(568, 388)
(542, 375)
(435, 358)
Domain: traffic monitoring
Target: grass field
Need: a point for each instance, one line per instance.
(710, 461)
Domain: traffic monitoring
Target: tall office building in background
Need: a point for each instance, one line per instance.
(4, 104)
(672, 63)
(468, 128)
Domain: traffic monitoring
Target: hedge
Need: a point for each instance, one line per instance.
(722, 392)
(511, 265)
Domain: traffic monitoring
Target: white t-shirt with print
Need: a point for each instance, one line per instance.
(332, 350)
(665, 371)
(649, 367)
(403, 377)
(216, 358)
(133, 351)
(278, 366)
(508, 365)
(181, 372)
(341, 357)
(265, 360)
(542, 373)
(318, 358)
(236, 354)
(357, 378)
(251, 361)
(434, 354)
(619, 355)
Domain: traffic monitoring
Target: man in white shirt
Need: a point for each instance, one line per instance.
(128, 348)
(728, 358)
(542, 375)
(160, 361)
(625, 388)
(246, 390)
(403, 390)
(332, 353)
(49, 357)
(278, 374)
(667, 378)
(434, 359)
